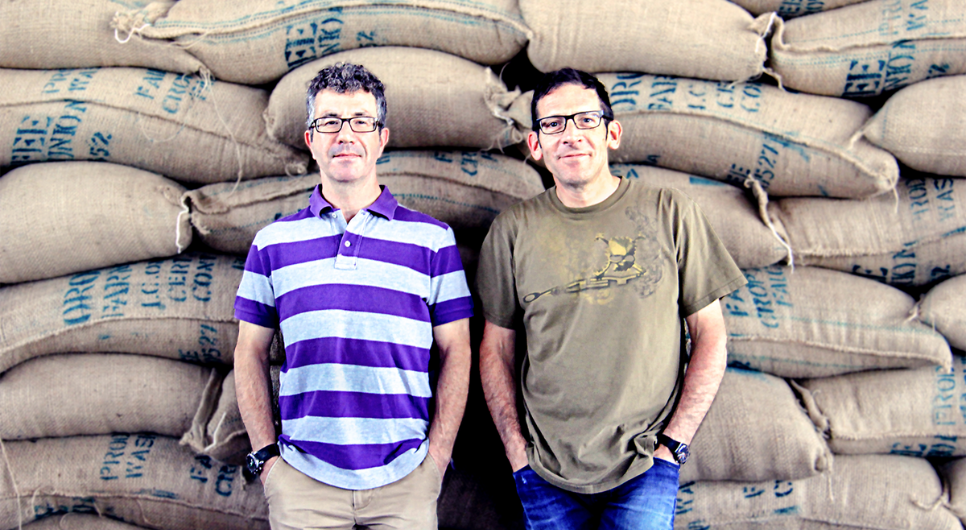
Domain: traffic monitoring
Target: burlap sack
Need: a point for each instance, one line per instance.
(944, 308)
(921, 265)
(732, 215)
(813, 322)
(909, 412)
(470, 256)
(915, 240)
(785, 444)
(791, 144)
(253, 42)
(792, 8)
(73, 395)
(461, 188)
(433, 99)
(47, 34)
(179, 308)
(709, 39)
(879, 491)
(115, 214)
(870, 47)
(464, 189)
(221, 435)
(924, 126)
(954, 477)
(142, 479)
(79, 521)
(177, 125)
(226, 217)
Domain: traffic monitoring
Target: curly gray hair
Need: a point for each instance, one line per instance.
(347, 77)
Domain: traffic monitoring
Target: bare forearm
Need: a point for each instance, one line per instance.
(703, 377)
(451, 391)
(254, 393)
(452, 388)
(700, 386)
(498, 376)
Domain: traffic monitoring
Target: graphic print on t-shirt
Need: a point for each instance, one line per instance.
(628, 260)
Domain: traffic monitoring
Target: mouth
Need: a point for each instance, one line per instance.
(344, 156)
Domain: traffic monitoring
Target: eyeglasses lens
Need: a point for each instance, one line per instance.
(582, 120)
(332, 124)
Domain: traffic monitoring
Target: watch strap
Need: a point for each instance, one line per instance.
(267, 452)
(675, 446)
(256, 459)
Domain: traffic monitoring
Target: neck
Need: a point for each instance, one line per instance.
(589, 193)
(350, 197)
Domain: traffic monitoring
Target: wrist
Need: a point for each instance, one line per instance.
(256, 460)
(678, 451)
(663, 453)
(517, 456)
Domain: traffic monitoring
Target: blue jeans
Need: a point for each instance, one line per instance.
(645, 502)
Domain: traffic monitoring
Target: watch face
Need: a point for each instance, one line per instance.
(682, 453)
(253, 464)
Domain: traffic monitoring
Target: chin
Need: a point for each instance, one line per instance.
(572, 171)
(346, 171)
(341, 177)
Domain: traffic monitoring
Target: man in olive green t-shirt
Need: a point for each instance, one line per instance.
(600, 271)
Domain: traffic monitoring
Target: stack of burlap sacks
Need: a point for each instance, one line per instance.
(151, 142)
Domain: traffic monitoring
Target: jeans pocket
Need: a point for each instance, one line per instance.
(668, 463)
(669, 471)
(523, 479)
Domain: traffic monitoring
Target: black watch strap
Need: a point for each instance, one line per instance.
(256, 459)
(679, 450)
(267, 452)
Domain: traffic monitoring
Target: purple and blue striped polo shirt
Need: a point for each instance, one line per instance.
(356, 304)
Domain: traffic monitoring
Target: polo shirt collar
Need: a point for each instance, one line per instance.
(384, 205)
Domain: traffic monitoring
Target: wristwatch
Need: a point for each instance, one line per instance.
(256, 459)
(680, 450)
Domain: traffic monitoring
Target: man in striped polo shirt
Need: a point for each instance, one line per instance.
(360, 288)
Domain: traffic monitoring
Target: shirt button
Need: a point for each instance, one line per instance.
(348, 244)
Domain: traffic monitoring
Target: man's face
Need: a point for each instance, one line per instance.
(346, 156)
(574, 156)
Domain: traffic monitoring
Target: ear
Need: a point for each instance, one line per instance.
(533, 142)
(384, 137)
(614, 134)
(308, 138)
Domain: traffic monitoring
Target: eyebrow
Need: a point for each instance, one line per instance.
(574, 114)
(336, 115)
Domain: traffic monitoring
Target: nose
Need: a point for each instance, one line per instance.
(570, 131)
(345, 134)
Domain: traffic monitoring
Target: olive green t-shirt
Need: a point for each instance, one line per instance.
(601, 292)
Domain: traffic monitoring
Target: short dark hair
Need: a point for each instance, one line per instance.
(551, 80)
(347, 77)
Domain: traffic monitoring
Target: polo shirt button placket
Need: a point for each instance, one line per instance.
(346, 258)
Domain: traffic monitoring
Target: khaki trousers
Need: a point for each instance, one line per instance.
(297, 501)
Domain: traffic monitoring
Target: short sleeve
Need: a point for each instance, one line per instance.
(450, 297)
(706, 270)
(495, 280)
(255, 301)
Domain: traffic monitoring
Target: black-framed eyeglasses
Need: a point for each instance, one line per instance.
(582, 120)
(333, 124)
